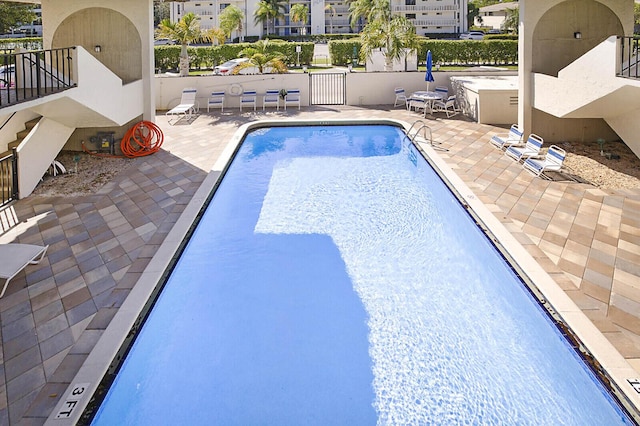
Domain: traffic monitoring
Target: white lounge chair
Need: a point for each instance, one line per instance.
(187, 107)
(248, 97)
(16, 257)
(552, 161)
(216, 100)
(401, 97)
(448, 107)
(271, 98)
(531, 148)
(514, 137)
(292, 98)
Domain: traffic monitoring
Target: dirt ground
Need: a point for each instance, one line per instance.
(87, 173)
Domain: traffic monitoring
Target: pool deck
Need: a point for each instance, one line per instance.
(54, 313)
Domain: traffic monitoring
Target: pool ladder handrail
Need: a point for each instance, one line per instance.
(424, 128)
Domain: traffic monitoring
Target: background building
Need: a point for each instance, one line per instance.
(332, 16)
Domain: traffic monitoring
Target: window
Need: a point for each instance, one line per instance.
(409, 2)
(411, 16)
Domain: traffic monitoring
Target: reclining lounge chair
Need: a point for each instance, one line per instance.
(514, 137)
(530, 149)
(187, 107)
(551, 162)
(16, 257)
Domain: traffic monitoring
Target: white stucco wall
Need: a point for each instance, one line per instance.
(139, 12)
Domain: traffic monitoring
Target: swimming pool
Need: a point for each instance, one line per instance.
(325, 287)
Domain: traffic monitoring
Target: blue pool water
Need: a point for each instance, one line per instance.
(334, 280)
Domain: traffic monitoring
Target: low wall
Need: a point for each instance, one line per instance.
(362, 88)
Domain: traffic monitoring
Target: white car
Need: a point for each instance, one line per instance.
(162, 42)
(472, 35)
(227, 67)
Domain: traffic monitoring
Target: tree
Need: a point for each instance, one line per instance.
(13, 15)
(393, 35)
(300, 13)
(512, 21)
(185, 31)
(636, 15)
(231, 19)
(332, 13)
(359, 10)
(262, 58)
(268, 11)
(216, 35)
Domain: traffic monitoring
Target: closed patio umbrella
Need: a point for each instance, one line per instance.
(429, 77)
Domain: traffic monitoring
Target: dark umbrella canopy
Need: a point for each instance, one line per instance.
(429, 77)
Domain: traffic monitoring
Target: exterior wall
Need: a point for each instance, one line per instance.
(123, 29)
(359, 84)
(431, 16)
(547, 44)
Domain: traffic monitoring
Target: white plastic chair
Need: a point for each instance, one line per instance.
(248, 98)
(448, 107)
(552, 161)
(271, 98)
(187, 107)
(531, 148)
(514, 137)
(443, 91)
(401, 97)
(216, 100)
(292, 98)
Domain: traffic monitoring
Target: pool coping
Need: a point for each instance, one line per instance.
(69, 410)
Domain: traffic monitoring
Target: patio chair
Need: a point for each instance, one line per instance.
(443, 91)
(16, 257)
(530, 149)
(401, 97)
(551, 162)
(248, 97)
(448, 107)
(292, 98)
(187, 107)
(216, 100)
(514, 137)
(271, 98)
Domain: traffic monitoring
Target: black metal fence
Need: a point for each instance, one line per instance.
(327, 88)
(29, 75)
(629, 57)
(8, 178)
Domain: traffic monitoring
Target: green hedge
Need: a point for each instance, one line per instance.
(206, 57)
(444, 52)
(29, 43)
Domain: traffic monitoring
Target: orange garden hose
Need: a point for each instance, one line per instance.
(144, 138)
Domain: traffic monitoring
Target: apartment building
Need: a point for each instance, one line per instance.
(332, 16)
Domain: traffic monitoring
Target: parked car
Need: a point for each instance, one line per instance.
(472, 35)
(227, 67)
(162, 42)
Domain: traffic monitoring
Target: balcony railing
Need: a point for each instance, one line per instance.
(8, 177)
(629, 60)
(30, 75)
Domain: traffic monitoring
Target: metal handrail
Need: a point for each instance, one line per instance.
(34, 74)
(629, 59)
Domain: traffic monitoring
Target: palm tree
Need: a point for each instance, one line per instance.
(300, 13)
(185, 31)
(216, 35)
(268, 11)
(394, 36)
(261, 58)
(512, 21)
(231, 19)
(332, 12)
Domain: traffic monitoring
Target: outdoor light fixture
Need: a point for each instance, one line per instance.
(577, 35)
(97, 48)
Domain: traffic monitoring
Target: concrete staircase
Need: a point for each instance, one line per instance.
(590, 88)
(20, 136)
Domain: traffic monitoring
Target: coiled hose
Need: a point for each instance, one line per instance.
(144, 138)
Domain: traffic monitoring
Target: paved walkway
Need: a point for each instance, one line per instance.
(54, 312)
